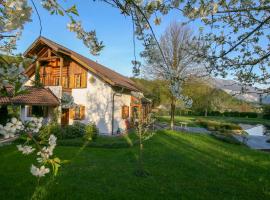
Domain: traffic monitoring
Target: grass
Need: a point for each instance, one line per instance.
(192, 120)
(181, 166)
(124, 141)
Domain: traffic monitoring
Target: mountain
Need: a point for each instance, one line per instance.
(235, 88)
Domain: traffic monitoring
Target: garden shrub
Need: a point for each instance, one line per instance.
(91, 132)
(218, 126)
(49, 129)
(74, 131)
(77, 130)
(266, 112)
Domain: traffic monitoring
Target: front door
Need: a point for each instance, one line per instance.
(65, 117)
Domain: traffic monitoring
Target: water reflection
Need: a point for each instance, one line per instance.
(256, 130)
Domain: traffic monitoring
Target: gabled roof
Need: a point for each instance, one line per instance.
(108, 75)
(33, 96)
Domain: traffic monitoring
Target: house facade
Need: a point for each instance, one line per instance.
(101, 95)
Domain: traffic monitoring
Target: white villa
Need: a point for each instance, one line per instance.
(101, 95)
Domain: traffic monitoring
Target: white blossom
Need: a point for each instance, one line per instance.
(52, 140)
(25, 149)
(33, 124)
(11, 128)
(39, 172)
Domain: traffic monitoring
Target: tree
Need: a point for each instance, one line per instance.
(237, 38)
(179, 64)
(204, 97)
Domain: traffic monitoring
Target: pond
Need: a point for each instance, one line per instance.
(256, 130)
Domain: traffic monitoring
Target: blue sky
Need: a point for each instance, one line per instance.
(114, 29)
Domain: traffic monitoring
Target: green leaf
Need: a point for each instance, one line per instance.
(60, 12)
(73, 10)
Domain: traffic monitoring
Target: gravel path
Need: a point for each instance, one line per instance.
(165, 126)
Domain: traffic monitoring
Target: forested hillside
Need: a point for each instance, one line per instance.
(205, 97)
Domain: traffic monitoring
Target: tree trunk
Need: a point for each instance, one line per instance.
(172, 112)
(205, 112)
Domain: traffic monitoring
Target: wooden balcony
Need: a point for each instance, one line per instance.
(67, 90)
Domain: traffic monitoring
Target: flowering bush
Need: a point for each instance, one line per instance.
(10, 129)
(44, 153)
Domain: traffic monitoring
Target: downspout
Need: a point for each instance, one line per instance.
(114, 94)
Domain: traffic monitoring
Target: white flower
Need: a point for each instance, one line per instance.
(52, 140)
(39, 172)
(8, 124)
(25, 149)
(13, 129)
(14, 120)
(46, 152)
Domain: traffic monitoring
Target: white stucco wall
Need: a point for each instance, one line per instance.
(97, 99)
(119, 101)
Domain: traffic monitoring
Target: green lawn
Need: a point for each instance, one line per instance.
(191, 120)
(182, 166)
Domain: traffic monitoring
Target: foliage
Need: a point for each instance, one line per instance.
(176, 160)
(12, 75)
(154, 89)
(67, 101)
(4, 115)
(203, 97)
(74, 131)
(18, 59)
(241, 114)
(91, 132)
(218, 126)
(50, 129)
(238, 41)
(266, 112)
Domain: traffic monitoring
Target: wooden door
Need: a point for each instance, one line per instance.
(65, 117)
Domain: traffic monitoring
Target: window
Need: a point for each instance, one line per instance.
(37, 111)
(56, 81)
(79, 112)
(125, 112)
(78, 80)
(65, 82)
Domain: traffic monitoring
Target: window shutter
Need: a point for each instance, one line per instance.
(125, 112)
(71, 113)
(82, 112)
(84, 80)
(71, 81)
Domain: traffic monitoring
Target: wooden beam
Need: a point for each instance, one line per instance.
(48, 58)
(49, 53)
(61, 69)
